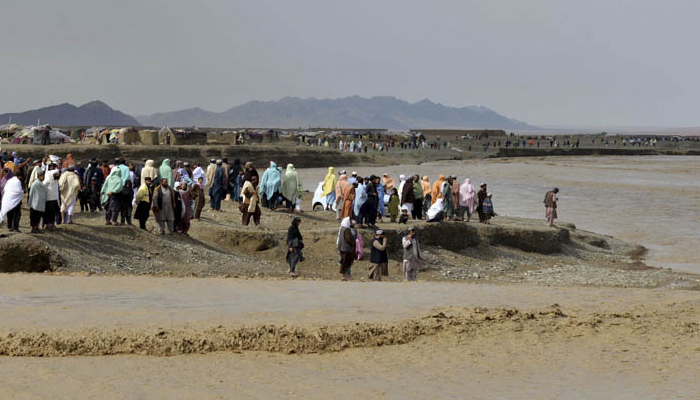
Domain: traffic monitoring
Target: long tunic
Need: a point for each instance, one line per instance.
(166, 211)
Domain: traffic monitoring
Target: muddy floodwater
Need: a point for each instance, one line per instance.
(649, 200)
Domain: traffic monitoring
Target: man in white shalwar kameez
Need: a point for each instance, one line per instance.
(412, 258)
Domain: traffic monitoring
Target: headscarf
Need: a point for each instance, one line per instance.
(341, 188)
(199, 173)
(69, 186)
(236, 167)
(113, 184)
(466, 192)
(249, 172)
(291, 184)
(388, 183)
(293, 231)
(425, 185)
(142, 193)
(271, 180)
(254, 199)
(329, 182)
(149, 171)
(12, 195)
(165, 172)
(345, 223)
(69, 161)
(437, 189)
(8, 174)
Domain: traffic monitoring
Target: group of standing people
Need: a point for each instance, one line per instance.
(413, 197)
(174, 195)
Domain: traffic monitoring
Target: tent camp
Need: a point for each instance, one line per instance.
(35, 134)
(179, 137)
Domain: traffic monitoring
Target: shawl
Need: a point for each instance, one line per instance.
(360, 198)
(113, 184)
(250, 172)
(343, 187)
(271, 180)
(165, 172)
(34, 175)
(345, 223)
(329, 182)
(69, 161)
(291, 184)
(466, 192)
(11, 196)
(69, 186)
(388, 183)
(211, 170)
(199, 173)
(142, 193)
(437, 188)
(126, 173)
(149, 171)
(425, 185)
(434, 209)
(254, 199)
(37, 196)
(8, 174)
(236, 167)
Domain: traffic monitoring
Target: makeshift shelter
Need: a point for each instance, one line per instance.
(129, 136)
(148, 137)
(181, 137)
(8, 130)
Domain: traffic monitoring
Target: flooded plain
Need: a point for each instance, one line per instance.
(649, 200)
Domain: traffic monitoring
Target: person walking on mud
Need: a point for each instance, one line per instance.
(295, 244)
(550, 206)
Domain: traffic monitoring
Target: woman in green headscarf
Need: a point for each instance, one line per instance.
(291, 186)
(111, 198)
(165, 172)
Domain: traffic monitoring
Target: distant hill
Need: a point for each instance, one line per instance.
(92, 113)
(348, 112)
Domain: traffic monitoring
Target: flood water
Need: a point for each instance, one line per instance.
(649, 200)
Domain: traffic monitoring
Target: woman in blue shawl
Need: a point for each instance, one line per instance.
(111, 195)
(270, 185)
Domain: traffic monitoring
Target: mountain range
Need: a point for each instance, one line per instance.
(288, 112)
(348, 112)
(66, 114)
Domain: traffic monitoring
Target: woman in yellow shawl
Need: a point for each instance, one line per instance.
(437, 187)
(329, 183)
(427, 192)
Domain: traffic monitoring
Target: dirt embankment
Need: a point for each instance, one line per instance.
(260, 155)
(676, 324)
(525, 152)
(511, 250)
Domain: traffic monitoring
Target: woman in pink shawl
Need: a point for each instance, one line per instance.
(341, 190)
(467, 199)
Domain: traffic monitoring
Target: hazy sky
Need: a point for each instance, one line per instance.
(558, 62)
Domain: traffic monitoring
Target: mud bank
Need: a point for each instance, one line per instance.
(289, 339)
(260, 155)
(518, 152)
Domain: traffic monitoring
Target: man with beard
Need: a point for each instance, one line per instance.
(163, 206)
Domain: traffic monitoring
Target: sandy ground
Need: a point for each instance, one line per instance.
(558, 343)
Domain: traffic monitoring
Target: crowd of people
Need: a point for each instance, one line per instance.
(176, 195)
(173, 195)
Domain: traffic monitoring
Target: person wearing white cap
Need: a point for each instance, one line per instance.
(353, 178)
